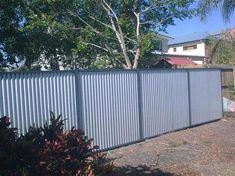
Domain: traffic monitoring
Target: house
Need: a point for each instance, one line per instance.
(193, 46)
(174, 62)
(162, 48)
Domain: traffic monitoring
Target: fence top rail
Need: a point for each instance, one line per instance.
(113, 70)
(226, 69)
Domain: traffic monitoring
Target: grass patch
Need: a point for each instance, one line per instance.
(175, 144)
(206, 141)
(229, 171)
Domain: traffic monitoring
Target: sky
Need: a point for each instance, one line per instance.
(213, 23)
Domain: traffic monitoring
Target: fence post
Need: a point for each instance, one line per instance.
(140, 104)
(222, 95)
(189, 98)
(234, 75)
(79, 102)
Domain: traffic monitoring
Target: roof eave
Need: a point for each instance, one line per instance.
(187, 42)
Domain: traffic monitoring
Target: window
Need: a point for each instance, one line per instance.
(190, 47)
(174, 49)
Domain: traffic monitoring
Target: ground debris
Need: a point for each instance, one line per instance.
(204, 150)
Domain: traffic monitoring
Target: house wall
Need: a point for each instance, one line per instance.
(199, 51)
(164, 44)
(198, 62)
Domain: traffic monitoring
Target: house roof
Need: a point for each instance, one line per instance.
(193, 37)
(165, 36)
(180, 61)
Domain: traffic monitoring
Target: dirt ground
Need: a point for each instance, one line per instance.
(207, 150)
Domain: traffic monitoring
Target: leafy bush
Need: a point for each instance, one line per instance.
(49, 151)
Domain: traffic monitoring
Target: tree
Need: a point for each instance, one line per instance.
(223, 48)
(49, 27)
(125, 30)
(206, 6)
(116, 33)
(21, 39)
(10, 35)
(84, 34)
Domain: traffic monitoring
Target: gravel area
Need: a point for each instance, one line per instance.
(207, 150)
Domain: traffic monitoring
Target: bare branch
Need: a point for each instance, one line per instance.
(75, 15)
(115, 59)
(154, 6)
(160, 22)
(148, 8)
(119, 33)
(137, 54)
(93, 29)
(97, 46)
(104, 24)
(111, 10)
(110, 27)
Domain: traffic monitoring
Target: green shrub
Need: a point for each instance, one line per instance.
(49, 151)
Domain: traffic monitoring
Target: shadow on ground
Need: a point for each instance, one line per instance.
(138, 171)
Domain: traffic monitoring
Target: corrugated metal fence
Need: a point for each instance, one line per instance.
(114, 107)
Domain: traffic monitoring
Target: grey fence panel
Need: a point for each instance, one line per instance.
(165, 101)
(113, 107)
(110, 107)
(29, 97)
(206, 100)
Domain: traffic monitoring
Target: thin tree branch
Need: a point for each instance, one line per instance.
(104, 24)
(154, 6)
(97, 46)
(115, 59)
(110, 27)
(75, 15)
(118, 32)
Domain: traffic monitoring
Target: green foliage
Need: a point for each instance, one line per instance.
(10, 37)
(82, 31)
(30, 30)
(207, 6)
(48, 151)
(101, 63)
(222, 51)
(231, 88)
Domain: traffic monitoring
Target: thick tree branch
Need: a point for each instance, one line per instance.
(115, 59)
(137, 54)
(118, 32)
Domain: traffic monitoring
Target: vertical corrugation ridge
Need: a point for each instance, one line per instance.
(110, 101)
(205, 96)
(28, 98)
(111, 107)
(161, 92)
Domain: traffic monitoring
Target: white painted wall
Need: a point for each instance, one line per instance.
(200, 51)
(198, 62)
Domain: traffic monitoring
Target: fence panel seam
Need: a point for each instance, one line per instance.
(140, 104)
(189, 98)
(78, 103)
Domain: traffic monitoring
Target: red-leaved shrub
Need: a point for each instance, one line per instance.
(49, 151)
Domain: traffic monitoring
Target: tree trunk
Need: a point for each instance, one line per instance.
(137, 54)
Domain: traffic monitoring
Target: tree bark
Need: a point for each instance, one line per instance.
(118, 32)
(137, 54)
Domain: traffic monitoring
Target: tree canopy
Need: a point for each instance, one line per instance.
(86, 33)
(206, 6)
(223, 48)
